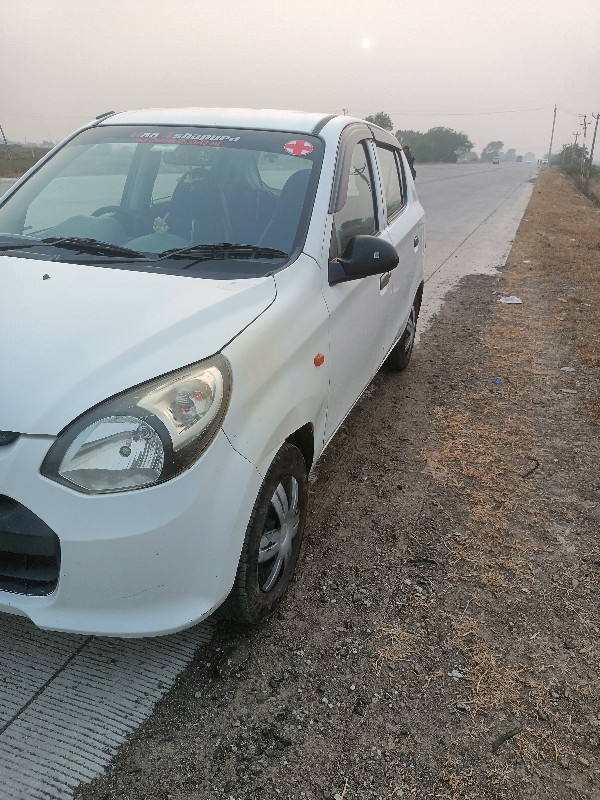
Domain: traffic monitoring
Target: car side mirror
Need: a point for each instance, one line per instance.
(363, 256)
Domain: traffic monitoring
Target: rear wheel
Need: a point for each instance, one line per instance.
(400, 354)
(273, 538)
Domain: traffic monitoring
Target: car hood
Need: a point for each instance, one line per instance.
(72, 336)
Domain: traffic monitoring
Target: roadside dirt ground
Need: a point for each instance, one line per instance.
(442, 637)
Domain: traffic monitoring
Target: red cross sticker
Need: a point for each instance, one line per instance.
(298, 147)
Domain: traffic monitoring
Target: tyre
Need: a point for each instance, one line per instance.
(400, 354)
(273, 538)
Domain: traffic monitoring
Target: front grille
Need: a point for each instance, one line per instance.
(29, 551)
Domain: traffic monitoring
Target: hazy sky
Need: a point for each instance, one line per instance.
(494, 70)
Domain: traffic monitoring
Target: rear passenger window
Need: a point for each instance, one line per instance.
(391, 180)
(358, 213)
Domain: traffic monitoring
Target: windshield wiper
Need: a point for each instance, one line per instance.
(15, 246)
(85, 245)
(19, 244)
(206, 252)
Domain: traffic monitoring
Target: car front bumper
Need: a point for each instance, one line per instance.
(139, 563)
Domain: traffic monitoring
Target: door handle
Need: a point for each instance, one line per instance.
(384, 280)
(416, 242)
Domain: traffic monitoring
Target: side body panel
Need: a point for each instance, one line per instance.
(277, 388)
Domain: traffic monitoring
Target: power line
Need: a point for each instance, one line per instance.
(566, 111)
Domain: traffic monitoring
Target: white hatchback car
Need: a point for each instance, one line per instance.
(192, 302)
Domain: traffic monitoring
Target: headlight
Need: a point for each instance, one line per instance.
(144, 436)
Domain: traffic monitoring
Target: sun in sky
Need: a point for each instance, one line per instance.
(365, 44)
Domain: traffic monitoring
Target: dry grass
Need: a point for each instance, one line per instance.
(399, 644)
(494, 466)
(487, 463)
(534, 745)
(493, 683)
(16, 160)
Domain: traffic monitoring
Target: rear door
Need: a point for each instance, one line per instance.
(403, 226)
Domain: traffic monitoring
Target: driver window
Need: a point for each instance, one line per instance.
(83, 185)
(359, 212)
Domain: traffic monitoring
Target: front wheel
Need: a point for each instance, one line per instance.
(400, 354)
(273, 538)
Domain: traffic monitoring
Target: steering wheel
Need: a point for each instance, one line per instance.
(133, 223)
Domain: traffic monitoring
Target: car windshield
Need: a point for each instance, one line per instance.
(124, 195)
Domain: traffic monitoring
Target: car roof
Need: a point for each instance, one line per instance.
(262, 118)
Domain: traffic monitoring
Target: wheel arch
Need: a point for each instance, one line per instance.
(419, 296)
(304, 440)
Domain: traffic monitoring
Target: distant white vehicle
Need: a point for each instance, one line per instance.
(544, 160)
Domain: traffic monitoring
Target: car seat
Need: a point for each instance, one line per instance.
(281, 230)
(198, 211)
(250, 202)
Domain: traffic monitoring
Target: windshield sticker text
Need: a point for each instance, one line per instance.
(171, 137)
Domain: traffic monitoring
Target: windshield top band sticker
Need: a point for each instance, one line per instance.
(142, 137)
(298, 147)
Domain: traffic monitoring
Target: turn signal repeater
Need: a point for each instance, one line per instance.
(319, 359)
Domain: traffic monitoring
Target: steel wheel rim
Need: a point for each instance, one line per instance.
(281, 526)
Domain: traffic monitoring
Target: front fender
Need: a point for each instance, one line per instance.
(277, 388)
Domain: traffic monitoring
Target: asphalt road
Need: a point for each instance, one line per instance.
(473, 212)
(67, 702)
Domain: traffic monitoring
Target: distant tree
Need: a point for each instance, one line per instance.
(412, 138)
(468, 158)
(415, 140)
(510, 155)
(438, 144)
(492, 150)
(382, 119)
(446, 145)
(571, 157)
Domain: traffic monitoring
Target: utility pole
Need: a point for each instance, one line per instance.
(5, 142)
(591, 158)
(584, 124)
(552, 136)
